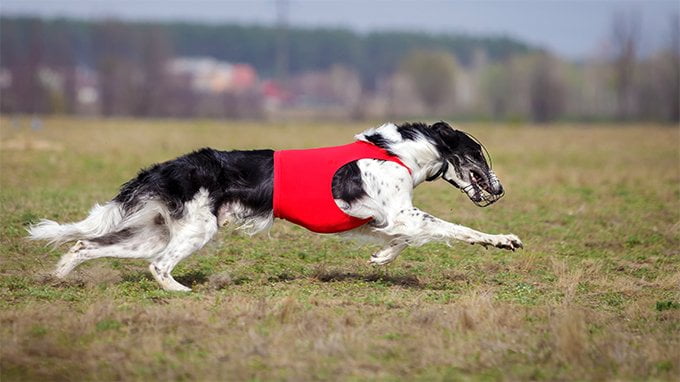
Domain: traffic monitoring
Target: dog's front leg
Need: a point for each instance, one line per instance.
(418, 227)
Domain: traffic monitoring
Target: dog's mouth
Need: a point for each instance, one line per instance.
(484, 189)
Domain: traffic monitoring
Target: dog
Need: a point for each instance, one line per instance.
(364, 189)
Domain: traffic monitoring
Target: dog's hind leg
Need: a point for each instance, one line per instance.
(183, 243)
(189, 234)
(392, 245)
(69, 260)
(389, 253)
(132, 243)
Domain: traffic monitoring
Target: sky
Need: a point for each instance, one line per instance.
(572, 29)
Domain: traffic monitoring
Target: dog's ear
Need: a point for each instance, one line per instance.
(446, 133)
(441, 126)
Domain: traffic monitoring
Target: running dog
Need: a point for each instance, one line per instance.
(365, 188)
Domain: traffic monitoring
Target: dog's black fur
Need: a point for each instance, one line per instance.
(347, 184)
(244, 176)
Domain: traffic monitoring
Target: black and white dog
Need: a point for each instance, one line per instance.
(172, 209)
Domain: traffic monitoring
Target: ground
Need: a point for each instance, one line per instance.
(595, 294)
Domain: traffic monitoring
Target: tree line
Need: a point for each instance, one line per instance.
(446, 74)
(307, 48)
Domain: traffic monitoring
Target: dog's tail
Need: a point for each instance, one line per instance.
(101, 220)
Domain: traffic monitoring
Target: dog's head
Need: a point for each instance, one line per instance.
(465, 165)
(458, 157)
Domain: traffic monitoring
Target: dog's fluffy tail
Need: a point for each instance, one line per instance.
(101, 220)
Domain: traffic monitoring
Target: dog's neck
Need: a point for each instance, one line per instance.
(419, 154)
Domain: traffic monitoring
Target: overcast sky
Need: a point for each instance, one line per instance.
(574, 29)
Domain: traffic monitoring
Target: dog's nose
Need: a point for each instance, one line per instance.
(496, 186)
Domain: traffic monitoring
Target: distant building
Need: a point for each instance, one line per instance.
(210, 76)
(204, 86)
(335, 92)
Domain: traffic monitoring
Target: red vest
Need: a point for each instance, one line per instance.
(302, 185)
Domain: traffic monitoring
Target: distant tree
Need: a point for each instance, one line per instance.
(433, 75)
(651, 88)
(115, 53)
(11, 60)
(153, 87)
(22, 52)
(375, 56)
(546, 90)
(61, 56)
(657, 83)
(625, 39)
(33, 94)
(673, 97)
(496, 83)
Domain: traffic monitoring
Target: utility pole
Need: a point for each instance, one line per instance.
(282, 42)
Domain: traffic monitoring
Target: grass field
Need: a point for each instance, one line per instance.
(595, 294)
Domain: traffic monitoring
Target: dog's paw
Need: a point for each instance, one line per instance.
(77, 247)
(510, 242)
(177, 288)
(381, 260)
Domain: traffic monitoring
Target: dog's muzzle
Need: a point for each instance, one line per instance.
(481, 192)
(484, 193)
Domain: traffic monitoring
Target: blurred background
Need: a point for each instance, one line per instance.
(295, 59)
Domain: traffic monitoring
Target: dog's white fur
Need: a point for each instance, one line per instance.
(389, 187)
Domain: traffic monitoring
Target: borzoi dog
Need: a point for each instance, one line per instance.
(172, 209)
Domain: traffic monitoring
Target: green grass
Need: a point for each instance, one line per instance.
(595, 294)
